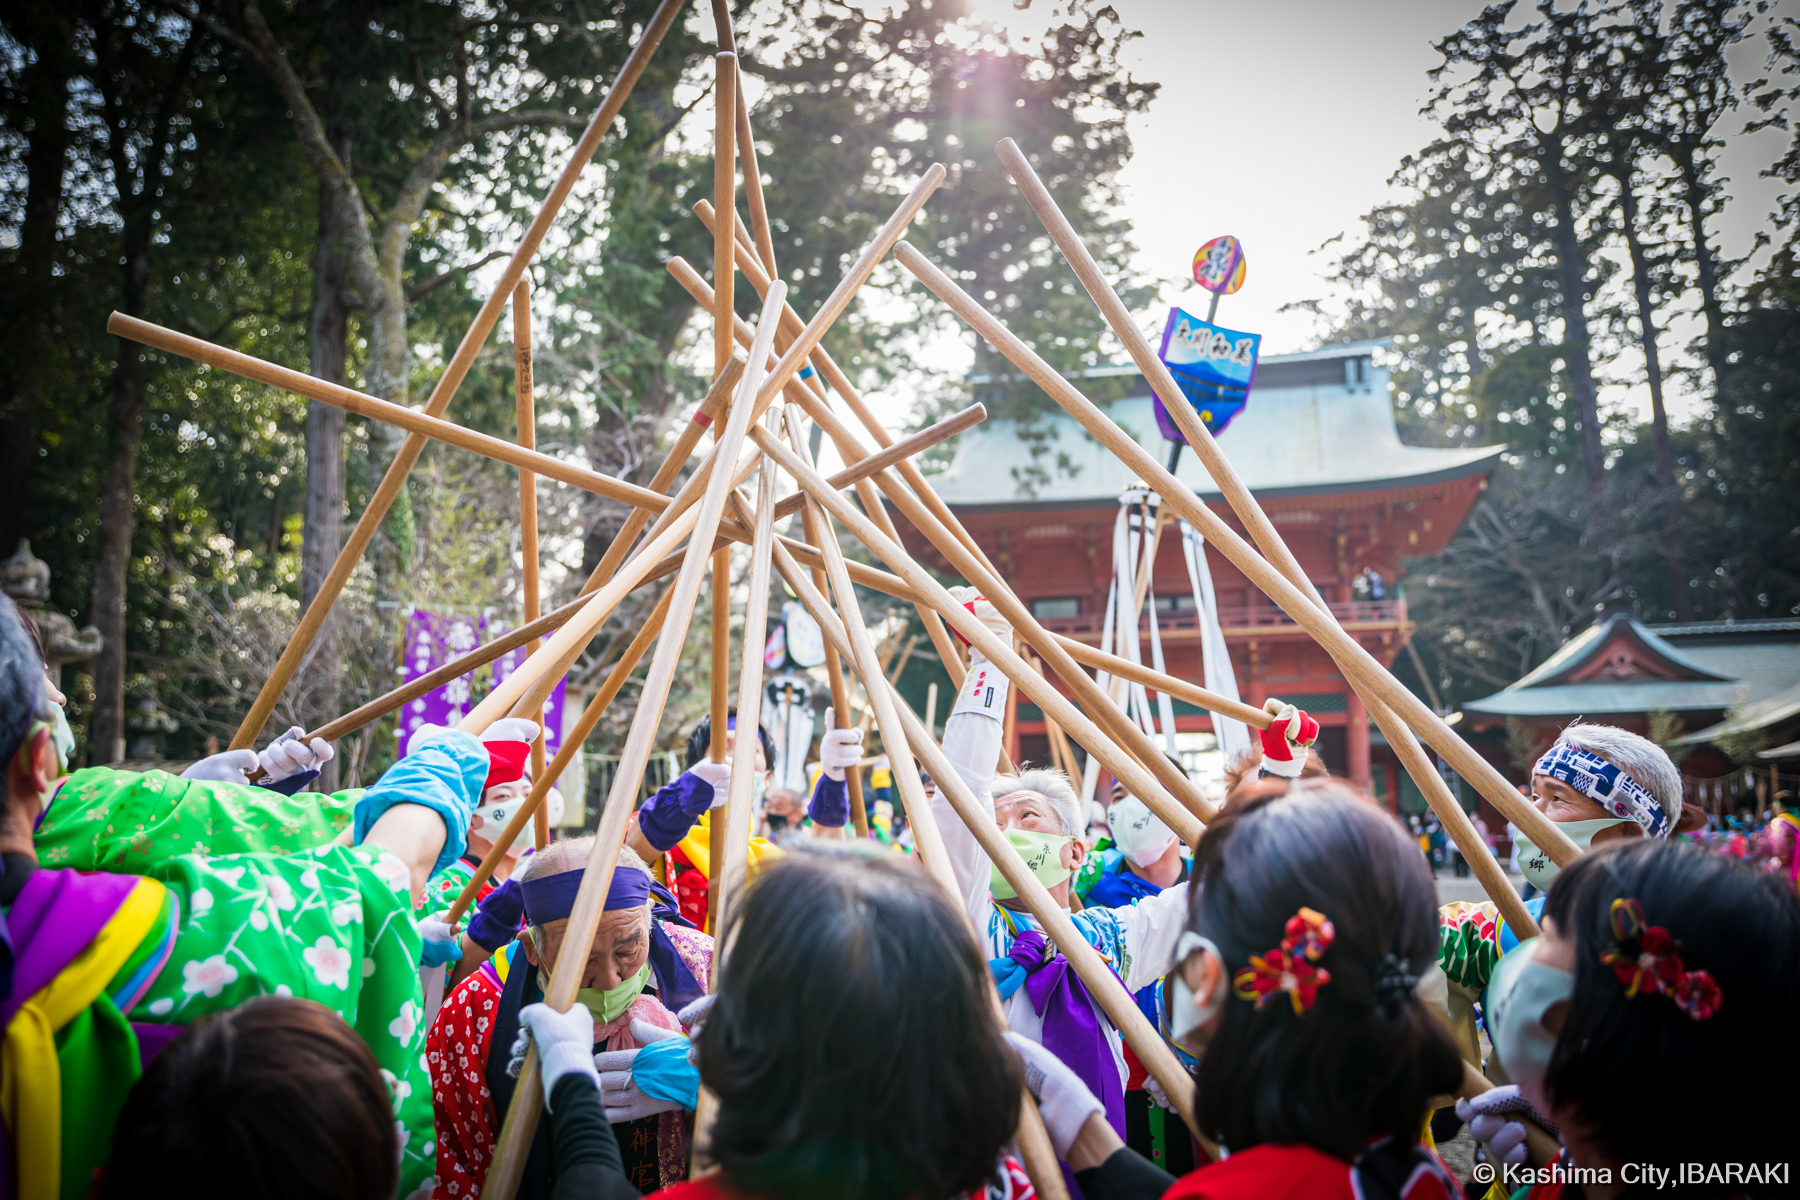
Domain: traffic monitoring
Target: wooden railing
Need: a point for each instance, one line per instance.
(1236, 618)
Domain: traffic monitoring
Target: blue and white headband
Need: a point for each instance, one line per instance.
(1605, 784)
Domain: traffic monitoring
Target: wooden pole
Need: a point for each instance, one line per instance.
(668, 565)
(425, 427)
(1367, 675)
(732, 868)
(724, 199)
(931, 708)
(1170, 785)
(1379, 690)
(997, 650)
(753, 193)
(565, 754)
(521, 1118)
(821, 363)
(528, 527)
(797, 393)
(815, 526)
(1101, 983)
(1325, 630)
(464, 358)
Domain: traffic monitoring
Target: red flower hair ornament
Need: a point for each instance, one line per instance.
(1290, 968)
(1647, 959)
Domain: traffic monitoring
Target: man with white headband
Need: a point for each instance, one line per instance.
(1598, 784)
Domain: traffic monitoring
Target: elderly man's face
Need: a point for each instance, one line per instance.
(1560, 802)
(1032, 812)
(621, 947)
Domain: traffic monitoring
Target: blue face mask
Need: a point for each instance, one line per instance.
(1519, 993)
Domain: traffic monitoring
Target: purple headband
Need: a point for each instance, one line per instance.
(552, 897)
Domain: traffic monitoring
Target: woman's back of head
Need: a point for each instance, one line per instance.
(1701, 1062)
(277, 1098)
(854, 1047)
(1360, 1062)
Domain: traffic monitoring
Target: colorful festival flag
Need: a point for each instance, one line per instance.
(1214, 368)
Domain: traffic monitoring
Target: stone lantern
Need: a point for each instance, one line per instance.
(26, 578)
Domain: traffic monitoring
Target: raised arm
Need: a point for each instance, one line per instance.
(972, 744)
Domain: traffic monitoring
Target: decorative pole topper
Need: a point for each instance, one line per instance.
(1220, 266)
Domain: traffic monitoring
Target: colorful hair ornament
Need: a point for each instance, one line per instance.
(1647, 959)
(1289, 967)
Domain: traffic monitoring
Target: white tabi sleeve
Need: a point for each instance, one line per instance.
(972, 744)
(1151, 927)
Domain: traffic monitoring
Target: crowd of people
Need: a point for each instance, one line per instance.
(215, 984)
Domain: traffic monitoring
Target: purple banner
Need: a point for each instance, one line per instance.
(433, 639)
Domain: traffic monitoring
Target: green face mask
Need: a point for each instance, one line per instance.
(1042, 852)
(1535, 864)
(610, 1006)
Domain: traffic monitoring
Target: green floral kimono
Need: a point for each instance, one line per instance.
(259, 903)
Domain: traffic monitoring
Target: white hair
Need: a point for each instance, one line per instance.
(1053, 786)
(1638, 757)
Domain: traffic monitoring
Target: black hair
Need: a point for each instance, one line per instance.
(1651, 1083)
(699, 742)
(855, 1047)
(276, 1098)
(1364, 1059)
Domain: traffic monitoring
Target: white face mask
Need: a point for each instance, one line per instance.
(1520, 992)
(1187, 1014)
(1535, 864)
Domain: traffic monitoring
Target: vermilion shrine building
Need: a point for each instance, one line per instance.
(1318, 447)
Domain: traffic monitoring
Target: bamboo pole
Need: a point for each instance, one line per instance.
(528, 524)
(454, 373)
(1176, 495)
(1170, 786)
(731, 869)
(822, 365)
(565, 754)
(690, 436)
(997, 650)
(416, 423)
(513, 639)
(521, 1118)
(1367, 675)
(717, 750)
(840, 383)
(753, 193)
(1099, 979)
(809, 390)
(834, 666)
(1379, 690)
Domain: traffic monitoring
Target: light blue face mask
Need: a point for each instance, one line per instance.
(64, 737)
(1520, 991)
(1535, 864)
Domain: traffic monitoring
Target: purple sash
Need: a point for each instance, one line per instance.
(1072, 1030)
(58, 915)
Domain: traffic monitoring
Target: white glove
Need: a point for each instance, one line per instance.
(839, 750)
(565, 1044)
(693, 1016)
(985, 612)
(717, 776)
(1155, 1088)
(619, 1093)
(442, 940)
(1493, 1119)
(229, 766)
(510, 729)
(291, 753)
(1065, 1101)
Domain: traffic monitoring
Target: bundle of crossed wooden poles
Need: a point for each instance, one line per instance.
(689, 535)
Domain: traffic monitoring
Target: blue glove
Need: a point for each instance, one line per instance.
(498, 917)
(445, 775)
(664, 1070)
